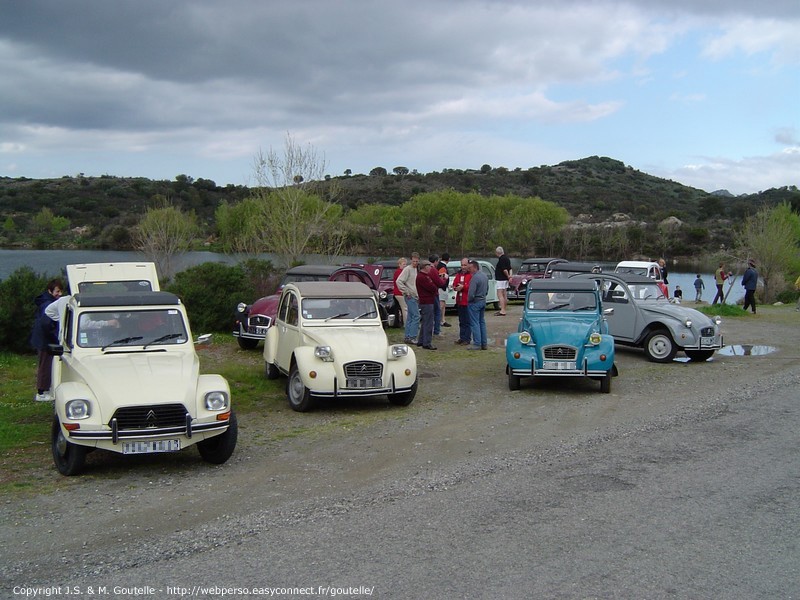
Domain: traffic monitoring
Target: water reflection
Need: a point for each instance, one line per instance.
(747, 350)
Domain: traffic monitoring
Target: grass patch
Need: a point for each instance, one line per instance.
(723, 310)
(24, 421)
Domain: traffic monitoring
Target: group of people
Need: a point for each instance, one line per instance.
(421, 289)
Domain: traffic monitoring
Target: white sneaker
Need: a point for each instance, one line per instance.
(44, 397)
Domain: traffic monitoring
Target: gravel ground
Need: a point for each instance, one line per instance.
(463, 424)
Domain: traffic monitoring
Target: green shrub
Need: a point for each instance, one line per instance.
(17, 310)
(211, 292)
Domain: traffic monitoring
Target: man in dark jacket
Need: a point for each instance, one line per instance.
(750, 282)
(42, 334)
(428, 290)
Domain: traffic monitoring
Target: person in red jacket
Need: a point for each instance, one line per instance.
(428, 291)
(461, 286)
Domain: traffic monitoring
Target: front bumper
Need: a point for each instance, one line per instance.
(340, 392)
(530, 370)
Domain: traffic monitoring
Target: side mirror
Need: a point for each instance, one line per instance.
(203, 340)
(55, 349)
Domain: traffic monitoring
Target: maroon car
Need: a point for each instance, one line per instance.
(531, 268)
(253, 320)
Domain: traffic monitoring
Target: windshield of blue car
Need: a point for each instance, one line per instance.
(103, 329)
(574, 301)
(329, 309)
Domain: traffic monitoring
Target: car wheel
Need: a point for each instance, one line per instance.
(605, 383)
(659, 347)
(247, 343)
(297, 392)
(513, 381)
(219, 448)
(699, 355)
(404, 398)
(69, 458)
(271, 371)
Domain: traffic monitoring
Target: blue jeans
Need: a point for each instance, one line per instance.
(464, 328)
(477, 321)
(412, 323)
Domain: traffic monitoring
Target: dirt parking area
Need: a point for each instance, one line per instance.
(289, 465)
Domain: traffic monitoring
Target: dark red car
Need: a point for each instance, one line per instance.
(253, 320)
(531, 268)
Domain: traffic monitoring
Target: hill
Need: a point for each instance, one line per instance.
(99, 212)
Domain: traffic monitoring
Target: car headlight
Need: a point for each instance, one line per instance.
(324, 352)
(78, 409)
(525, 337)
(717, 320)
(383, 295)
(688, 323)
(595, 338)
(241, 307)
(216, 401)
(399, 350)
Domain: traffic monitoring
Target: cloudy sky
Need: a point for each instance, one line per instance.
(705, 92)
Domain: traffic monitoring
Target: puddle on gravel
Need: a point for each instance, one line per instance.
(746, 350)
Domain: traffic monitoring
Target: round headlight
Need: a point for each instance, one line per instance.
(216, 401)
(241, 307)
(78, 409)
(688, 323)
(717, 320)
(525, 337)
(383, 295)
(595, 338)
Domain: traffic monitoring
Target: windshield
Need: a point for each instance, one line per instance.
(103, 329)
(562, 301)
(327, 309)
(614, 292)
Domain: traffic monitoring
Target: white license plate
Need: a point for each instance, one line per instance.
(365, 383)
(151, 447)
(706, 341)
(261, 330)
(557, 365)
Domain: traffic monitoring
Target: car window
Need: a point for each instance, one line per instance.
(339, 308)
(283, 308)
(488, 271)
(69, 325)
(291, 310)
(131, 328)
(613, 292)
(563, 301)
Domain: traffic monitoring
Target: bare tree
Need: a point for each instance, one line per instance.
(297, 219)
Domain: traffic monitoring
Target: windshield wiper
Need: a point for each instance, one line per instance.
(126, 340)
(163, 338)
(370, 313)
(339, 316)
(557, 306)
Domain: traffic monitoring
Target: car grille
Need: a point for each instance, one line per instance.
(560, 353)
(150, 417)
(707, 332)
(363, 370)
(259, 321)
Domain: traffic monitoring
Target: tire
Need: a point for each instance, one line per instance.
(605, 383)
(659, 347)
(271, 371)
(699, 355)
(219, 448)
(513, 381)
(297, 393)
(404, 398)
(68, 457)
(247, 343)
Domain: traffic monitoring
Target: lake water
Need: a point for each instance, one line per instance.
(52, 262)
